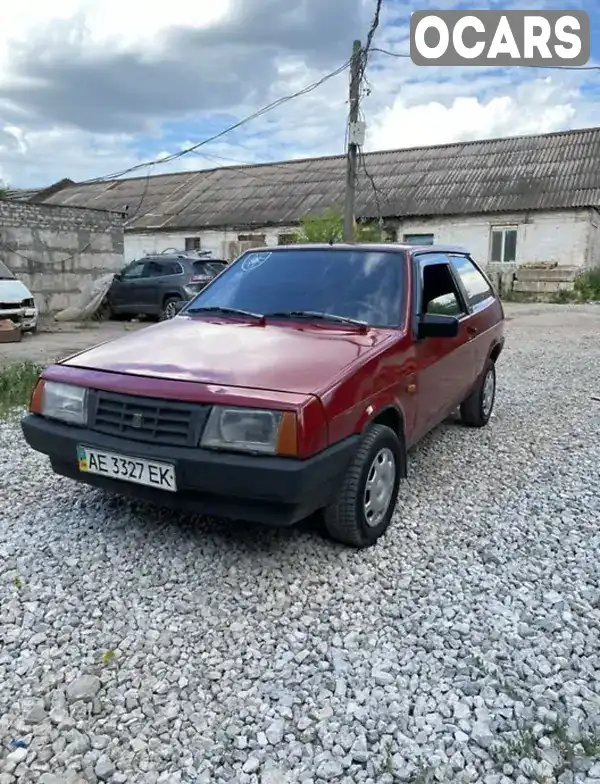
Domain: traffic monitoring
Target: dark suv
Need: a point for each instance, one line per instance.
(158, 285)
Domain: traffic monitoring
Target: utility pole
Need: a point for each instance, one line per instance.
(352, 153)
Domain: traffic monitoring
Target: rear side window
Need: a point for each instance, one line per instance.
(476, 286)
(207, 268)
(172, 268)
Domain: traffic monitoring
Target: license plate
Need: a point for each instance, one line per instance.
(128, 469)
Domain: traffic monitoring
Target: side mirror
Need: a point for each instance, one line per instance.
(433, 325)
(117, 276)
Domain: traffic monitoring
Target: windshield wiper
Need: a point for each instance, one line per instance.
(228, 312)
(316, 315)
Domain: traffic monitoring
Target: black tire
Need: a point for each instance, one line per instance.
(345, 518)
(104, 312)
(477, 408)
(32, 331)
(167, 311)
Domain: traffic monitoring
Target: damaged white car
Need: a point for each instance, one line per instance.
(16, 301)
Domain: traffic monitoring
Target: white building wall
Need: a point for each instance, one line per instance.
(567, 237)
(593, 258)
(137, 245)
(559, 236)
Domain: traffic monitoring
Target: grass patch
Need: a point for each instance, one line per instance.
(16, 383)
(587, 285)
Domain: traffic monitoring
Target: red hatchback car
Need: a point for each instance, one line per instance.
(295, 382)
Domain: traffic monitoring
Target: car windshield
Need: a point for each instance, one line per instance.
(363, 285)
(5, 273)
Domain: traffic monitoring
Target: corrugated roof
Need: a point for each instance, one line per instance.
(550, 171)
(22, 194)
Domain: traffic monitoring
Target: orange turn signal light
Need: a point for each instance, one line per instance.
(36, 401)
(287, 439)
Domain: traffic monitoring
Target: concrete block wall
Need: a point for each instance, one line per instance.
(56, 251)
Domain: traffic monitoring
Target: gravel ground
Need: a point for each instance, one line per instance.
(142, 646)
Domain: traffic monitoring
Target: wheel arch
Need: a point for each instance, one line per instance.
(171, 295)
(496, 350)
(393, 417)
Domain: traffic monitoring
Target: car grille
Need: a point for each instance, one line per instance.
(147, 419)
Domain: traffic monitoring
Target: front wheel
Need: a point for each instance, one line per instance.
(362, 510)
(477, 408)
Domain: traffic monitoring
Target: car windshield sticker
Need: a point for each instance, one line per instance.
(254, 260)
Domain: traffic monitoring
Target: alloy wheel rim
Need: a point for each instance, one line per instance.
(487, 398)
(379, 487)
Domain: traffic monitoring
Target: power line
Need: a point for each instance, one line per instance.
(255, 115)
(358, 66)
(405, 55)
(376, 190)
(370, 36)
(143, 196)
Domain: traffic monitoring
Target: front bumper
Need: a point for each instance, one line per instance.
(270, 490)
(12, 314)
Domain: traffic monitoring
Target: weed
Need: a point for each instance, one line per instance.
(16, 383)
(18, 583)
(587, 284)
(564, 296)
(423, 775)
(591, 744)
(521, 746)
(108, 657)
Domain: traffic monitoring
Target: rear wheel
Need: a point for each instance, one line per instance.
(477, 408)
(170, 308)
(363, 507)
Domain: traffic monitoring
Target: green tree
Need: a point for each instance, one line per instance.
(328, 226)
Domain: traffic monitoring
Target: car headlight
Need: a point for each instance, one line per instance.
(28, 303)
(64, 402)
(251, 430)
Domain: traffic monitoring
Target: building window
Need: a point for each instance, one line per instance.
(503, 246)
(418, 239)
(252, 240)
(193, 243)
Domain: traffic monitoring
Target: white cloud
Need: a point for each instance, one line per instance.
(101, 23)
(407, 106)
(537, 107)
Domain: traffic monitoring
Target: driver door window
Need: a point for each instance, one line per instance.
(134, 271)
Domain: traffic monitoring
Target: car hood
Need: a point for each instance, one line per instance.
(290, 357)
(13, 291)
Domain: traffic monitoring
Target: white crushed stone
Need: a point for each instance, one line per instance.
(465, 647)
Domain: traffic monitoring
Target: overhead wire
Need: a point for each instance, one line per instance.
(364, 59)
(363, 80)
(235, 126)
(406, 55)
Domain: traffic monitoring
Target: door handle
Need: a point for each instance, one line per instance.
(471, 331)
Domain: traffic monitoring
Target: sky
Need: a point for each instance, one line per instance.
(92, 87)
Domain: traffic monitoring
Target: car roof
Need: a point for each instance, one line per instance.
(389, 247)
(178, 257)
